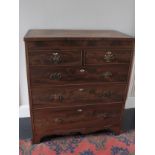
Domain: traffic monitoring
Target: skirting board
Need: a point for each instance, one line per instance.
(24, 109)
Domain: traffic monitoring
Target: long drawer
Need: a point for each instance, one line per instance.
(55, 120)
(60, 96)
(73, 75)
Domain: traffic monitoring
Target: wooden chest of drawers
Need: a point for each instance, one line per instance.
(77, 80)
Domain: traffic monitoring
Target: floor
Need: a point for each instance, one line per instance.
(127, 124)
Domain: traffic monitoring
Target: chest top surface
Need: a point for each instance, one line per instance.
(38, 34)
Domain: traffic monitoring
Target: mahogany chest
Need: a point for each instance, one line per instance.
(77, 79)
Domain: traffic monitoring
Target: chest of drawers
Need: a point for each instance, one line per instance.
(77, 80)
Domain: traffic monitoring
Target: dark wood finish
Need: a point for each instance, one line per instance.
(82, 43)
(77, 79)
(29, 90)
(60, 96)
(101, 56)
(72, 75)
(55, 57)
(25, 126)
(49, 34)
(115, 127)
(68, 119)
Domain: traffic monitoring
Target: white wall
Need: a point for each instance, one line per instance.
(71, 14)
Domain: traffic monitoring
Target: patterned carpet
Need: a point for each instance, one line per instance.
(96, 144)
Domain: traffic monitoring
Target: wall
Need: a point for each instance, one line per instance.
(71, 14)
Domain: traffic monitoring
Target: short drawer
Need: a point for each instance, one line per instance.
(103, 56)
(73, 75)
(61, 96)
(55, 119)
(55, 57)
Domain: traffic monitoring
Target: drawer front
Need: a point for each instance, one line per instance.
(73, 75)
(53, 120)
(82, 43)
(100, 57)
(55, 57)
(61, 96)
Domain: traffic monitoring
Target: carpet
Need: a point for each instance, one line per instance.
(93, 144)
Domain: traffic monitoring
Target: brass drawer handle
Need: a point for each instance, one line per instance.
(107, 74)
(79, 110)
(103, 115)
(109, 56)
(56, 58)
(107, 94)
(81, 89)
(58, 120)
(61, 98)
(56, 97)
(82, 70)
(55, 76)
(55, 53)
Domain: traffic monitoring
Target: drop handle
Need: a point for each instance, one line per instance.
(58, 120)
(55, 53)
(81, 89)
(82, 70)
(107, 74)
(108, 94)
(102, 115)
(79, 110)
(55, 76)
(55, 58)
(109, 56)
(61, 98)
(56, 97)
